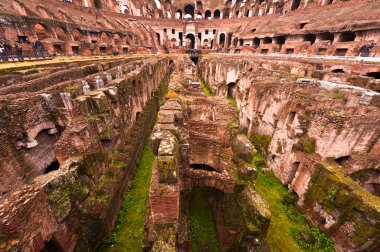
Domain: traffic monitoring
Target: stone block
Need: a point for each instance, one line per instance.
(167, 172)
(243, 148)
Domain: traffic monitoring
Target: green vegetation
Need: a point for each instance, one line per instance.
(129, 230)
(233, 102)
(206, 88)
(202, 223)
(307, 145)
(261, 142)
(288, 230)
(339, 95)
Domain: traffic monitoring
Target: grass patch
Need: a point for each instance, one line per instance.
(206, 88)
(288, 230)
(203, 236)
(129, 230)
(233, 102)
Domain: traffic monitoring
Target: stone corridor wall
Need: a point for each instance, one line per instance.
(310, 129)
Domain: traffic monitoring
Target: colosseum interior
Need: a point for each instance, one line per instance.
(177, 125)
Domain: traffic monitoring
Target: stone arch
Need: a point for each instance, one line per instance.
(217, 14)
(104, 38)
(77, 35)
(326, 36)
(231, 89)
(205, 42)
(189, 10)
(191, 37)
(61, 33)
(41, 31)
(117, 39)
(310, 37)
(347, 36)
(207, 14)
(222, 39)
(173, 42)
(178, 14)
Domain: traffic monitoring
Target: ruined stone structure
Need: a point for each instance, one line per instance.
(210, 84)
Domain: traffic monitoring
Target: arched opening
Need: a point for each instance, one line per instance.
(199, 15)
(375, 75)
(267, 40)
(104, 38)
(235, 42)
(247, 13)
(329, 2)
(190, 40)
(61, 33)
(178, 14)
(168, 14)
(77, 35)
(52, 167)
(138, 116)
(205, 43)
(41, 32)
(52, 246)
(98, 4)
(212, 44)
(280, 40)
(158, 38)
(256, 43)
(117, 39)
(231, 89)
(203, 167)
(342, 160)
(241, 42)
(222, 39)
(173, 42)
(326, 36)
(217, 14)
(347, 36)
(295, 4)
(207, 14)
(310, 37)
(189, 10)
(338, 70)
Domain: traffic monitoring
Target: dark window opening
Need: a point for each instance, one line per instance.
(206, 32)
(237, 13)
(173, 31)
(342, 160)
(347, 36)
(180, 37)
(329, 2)
(217, 14)
(165, 30)
(289, 50)
(280, 40)
(103, 49)
(247, 13)
(200, 36)
(375, 75)
(138, 116)
(253, 30)
(23, 40)
(75, 50)
(322, 51)
(256, 42)
(341, 52)
(292, 115)
(231, 88)
(52, 167)
(213, 31)
(98, 4)
(264, 51)
(310, 37)
(222, 39)
(202, 167)
(189, 9)
(58, 49)
(338, 70)
(241, 42)
(295, 4)
(52, 246)
(125, 50)
(207, 14)
(326, 36)
(302, 25)
(192, 40)
(267, 40)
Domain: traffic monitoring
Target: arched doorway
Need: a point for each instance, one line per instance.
(231, 88)
(256, 42)
(41, 31)
(190, 41)
(173, 42)
(310, 37)
(178, 14)
(217, 14)
(295, 4)
(158, 38)
(222, 39)
(77, 35)
(207, 14)
(189, 10)
(205, 43)
(347, 36)
(61, 33)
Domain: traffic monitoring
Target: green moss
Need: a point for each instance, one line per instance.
(261, 142)
(233, 102)
(206, 88)
(307, 145)
(203, 236)
(284, 233)
(129, 230)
